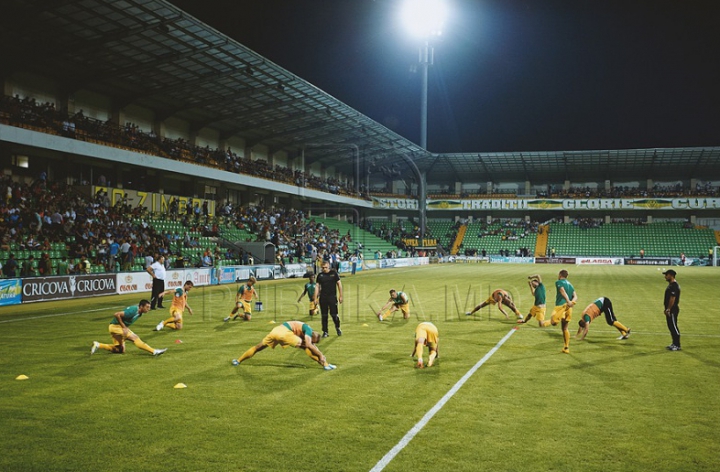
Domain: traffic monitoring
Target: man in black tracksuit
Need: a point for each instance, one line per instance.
(329, 293)
(672, 308)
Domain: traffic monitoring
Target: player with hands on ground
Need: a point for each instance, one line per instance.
(397, 301)
(290, 334)
(499, 297)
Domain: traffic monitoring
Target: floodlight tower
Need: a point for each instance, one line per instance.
(424, 20)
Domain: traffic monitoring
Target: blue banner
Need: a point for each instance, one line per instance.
(10, 292)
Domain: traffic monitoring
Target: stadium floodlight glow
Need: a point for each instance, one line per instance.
(424, 18)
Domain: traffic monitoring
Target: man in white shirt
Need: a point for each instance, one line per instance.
(157, 271)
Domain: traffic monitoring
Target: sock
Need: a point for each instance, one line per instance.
(620, 327)
(431, 358)
(566, 337)
(139, 343)
(248, 354)
(170, 324)
(419, 351)
(313, 356)
(107, 347)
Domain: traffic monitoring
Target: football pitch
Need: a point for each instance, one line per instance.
(500, 397)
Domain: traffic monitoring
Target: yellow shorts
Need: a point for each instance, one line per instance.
(281, 336)
(312, 306)
(538, 312)
(562, 313)
(246, 306)
(176, 313)
(116, 331)
(405, 309)
(491, 301)
(428, 331)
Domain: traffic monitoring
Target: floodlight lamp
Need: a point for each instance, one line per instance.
(424, 18)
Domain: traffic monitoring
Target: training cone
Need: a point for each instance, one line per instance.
(365, 325)
(271, 322)
(180, 385)
(22, 377)
(178, 341)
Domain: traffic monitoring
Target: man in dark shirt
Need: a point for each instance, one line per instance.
(329, 293)
(672, 308)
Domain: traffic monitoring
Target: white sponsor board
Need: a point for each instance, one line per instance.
(599, 261)
(133, 282)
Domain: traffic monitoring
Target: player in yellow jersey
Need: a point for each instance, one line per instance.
(290, 334)
(177, 308)
(426, 334)
(565, 299)
(499, 297)
(397, 301)
(601, 305)
(243, 299)
(310, 289)
(120, 331)
(538, 309)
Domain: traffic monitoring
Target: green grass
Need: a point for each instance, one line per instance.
(609, 405)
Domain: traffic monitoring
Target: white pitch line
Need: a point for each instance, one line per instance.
(51, 316)
(438, 406)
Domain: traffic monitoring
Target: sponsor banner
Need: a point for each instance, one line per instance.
(370, 264)
(133, 282)
(404, 262)
(223, 275)
(10, 291)
(658, 262)
(599, 261)
(155, 202)
(174, 278)
(554, 260)
(512, 260)
(463, 259)
(37, 289)
(395, 203)
(525, 204)
(199, 276)
(295, 270)
(242, 273)
(346, 267)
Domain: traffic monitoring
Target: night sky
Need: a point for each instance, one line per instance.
(509, 75)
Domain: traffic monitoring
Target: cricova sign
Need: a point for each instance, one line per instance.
(38, 289)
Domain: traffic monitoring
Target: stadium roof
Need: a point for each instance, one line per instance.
(151, 54)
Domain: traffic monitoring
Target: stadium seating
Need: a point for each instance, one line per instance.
(662, 239)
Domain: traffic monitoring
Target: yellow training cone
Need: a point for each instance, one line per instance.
(22, 377)
(271, 322)
(365, 325)
(180, 385)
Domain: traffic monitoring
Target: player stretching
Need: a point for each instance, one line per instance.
(537, 288)
(244, 298)
(601, 305)
(426, 334)
(399, 301)
(310, 288)
(291, 333)
(120, 331)
(499, 297)
(179, 303)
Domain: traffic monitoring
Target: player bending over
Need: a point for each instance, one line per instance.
(291, 333)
